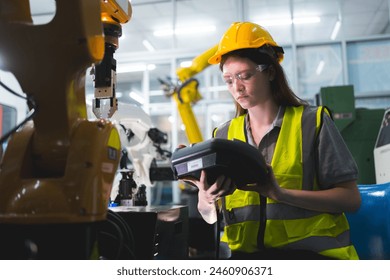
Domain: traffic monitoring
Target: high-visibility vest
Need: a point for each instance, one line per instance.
(287, 227)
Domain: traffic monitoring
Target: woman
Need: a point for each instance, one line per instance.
(297, 213)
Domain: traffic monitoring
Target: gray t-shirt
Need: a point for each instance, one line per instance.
(334, 162)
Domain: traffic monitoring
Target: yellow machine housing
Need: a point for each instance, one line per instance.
(57, 171)
(59, 168)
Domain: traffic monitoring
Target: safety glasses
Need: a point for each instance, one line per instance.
(243, 76)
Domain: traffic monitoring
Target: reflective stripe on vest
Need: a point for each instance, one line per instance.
(315, 243)
(294, 167)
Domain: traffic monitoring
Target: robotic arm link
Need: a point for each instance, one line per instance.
(141, 147)
(57, 172)
(186, 93)
(114, 13)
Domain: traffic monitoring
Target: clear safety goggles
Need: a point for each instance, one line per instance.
(243, 76)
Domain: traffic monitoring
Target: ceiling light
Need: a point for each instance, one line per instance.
(306, 20)
(148, 45)
(275, 22)
(288, 21)
(336, 30)
(151, 67)
(185, 31)
(126, 68)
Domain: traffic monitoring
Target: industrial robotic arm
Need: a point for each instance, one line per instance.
(113, 15)
(141, 148)
(57, 172)
(186, 93)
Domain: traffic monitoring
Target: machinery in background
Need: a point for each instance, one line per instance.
(141, 149)
(57, 172)
(186, 93)
(152, 231)
(7, 122)
(114, 14)
(369, 226)
(202, 236)
(370, 229)
(358, 126)
(382, 151)
(157, 232)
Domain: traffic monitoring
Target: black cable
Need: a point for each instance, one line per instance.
(12, 91)
(113, 237)
(126, 239)
(125, 246)
(122, 234)
(161, 151)
(126, 228)
(119, 237)
(29, 116)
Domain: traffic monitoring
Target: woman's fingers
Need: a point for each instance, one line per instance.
(223, 186)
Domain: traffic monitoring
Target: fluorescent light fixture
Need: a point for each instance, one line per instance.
(336, 30)
(148, 45)
(127, 68)
(320, 67)
(288, 21)
(275, 22)
(306, 20)
(185, 30)
(151, 67)
(137, 97)
(186, 63)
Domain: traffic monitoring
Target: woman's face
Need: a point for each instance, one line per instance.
(248, 82)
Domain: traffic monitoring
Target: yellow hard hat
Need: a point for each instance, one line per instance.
(242, 35)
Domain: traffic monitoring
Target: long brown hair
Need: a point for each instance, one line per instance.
(281, 91)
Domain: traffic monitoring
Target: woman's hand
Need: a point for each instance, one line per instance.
(268, 187)
(341, 197)
(208, 195)
(222, 186)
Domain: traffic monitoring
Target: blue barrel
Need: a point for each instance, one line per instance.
(370, 225)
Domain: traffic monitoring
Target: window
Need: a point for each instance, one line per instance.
(318, 66)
